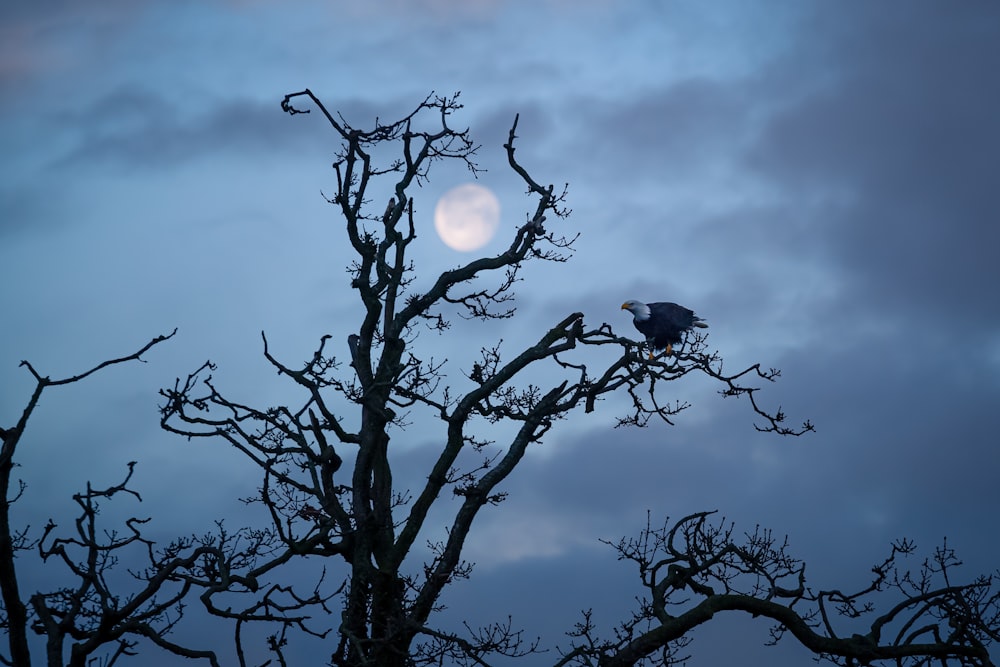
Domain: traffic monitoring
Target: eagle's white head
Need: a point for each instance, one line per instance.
(638, 309)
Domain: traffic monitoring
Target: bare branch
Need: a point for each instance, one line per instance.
(11, 540)
(698, 567)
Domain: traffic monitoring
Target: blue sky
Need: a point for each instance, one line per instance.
(817, 180)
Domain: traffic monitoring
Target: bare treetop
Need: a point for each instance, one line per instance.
(364, 519)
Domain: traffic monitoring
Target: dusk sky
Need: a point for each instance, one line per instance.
(820, 181)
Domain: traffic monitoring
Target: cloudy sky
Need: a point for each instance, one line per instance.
(820, 181)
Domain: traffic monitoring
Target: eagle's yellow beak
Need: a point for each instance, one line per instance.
(624, 306)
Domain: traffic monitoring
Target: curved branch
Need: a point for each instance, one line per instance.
(673, 561)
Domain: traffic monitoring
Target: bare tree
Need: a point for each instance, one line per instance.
(357, 515)
(104, 613)
(326, 463)
(90, 612)
(699, 567)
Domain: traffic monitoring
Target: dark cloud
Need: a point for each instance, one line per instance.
(905, 135)
(667, 132)
(136, 127)
(23, 210)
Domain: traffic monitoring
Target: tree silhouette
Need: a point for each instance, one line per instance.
(698, 567)
(358, 515)
(89, 611)
(327, 486)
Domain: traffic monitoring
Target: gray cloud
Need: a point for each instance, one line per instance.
(830, 209)
(135, 127)
(906, 132)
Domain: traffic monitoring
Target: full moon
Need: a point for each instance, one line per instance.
(467, 216)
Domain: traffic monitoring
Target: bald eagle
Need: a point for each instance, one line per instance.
(663, 323)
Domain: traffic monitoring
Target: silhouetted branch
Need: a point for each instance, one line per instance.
(698, 567)
(93, 614)
(15, 620)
